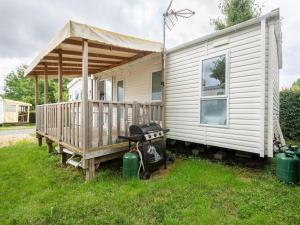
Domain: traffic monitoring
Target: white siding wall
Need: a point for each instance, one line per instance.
(273, 90)
(76, 90)
(137, 78)
(182, 92)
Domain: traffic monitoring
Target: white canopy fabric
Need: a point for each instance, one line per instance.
(106, 50)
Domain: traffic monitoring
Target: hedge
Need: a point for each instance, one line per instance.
(32, 117)
(290, 114)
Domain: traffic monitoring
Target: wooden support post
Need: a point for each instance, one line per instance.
(46, 84)
(49, 145)
(110, 123)
(36, 91)
(100, 124)
(45, 98)
(88, 164)
(118, 120)
(84, 105)
(60, 75)
(40, 140)
(28, 113)
(90, 171)
(63, 156)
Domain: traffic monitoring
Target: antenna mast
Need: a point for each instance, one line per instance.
(170, 18)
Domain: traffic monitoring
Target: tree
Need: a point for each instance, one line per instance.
(236, 11)
(296, 86)
(19, 88)
(218, 71)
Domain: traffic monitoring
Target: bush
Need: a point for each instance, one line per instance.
(32, 117)
(290, 114)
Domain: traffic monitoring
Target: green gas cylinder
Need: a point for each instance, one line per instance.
(130, 165)
(287, 165)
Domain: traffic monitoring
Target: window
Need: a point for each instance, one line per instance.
(214, 111)
(120, 91)
(213, 102)
(156, 86)
(105, 90)
(11, 108)
(213, 76)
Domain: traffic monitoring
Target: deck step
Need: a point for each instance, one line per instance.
(68, 151)
(74, 162)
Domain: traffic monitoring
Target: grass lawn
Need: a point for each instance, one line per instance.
(16, 127)
(35, 190)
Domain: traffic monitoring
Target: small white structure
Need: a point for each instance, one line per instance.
(13, 111)
(221, 89)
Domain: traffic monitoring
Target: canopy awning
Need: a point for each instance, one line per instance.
(106, 50)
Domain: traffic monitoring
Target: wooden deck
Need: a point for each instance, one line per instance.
(61, 123)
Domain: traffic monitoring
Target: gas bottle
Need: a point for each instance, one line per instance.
(287, 165)
(130, 165)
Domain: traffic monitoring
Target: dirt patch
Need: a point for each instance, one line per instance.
(7, 140)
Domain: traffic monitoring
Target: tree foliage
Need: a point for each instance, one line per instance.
(19, 88)
(218, 71)
(290, 112)
(296, 86)
(236, 11)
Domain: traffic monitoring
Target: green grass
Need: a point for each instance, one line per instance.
(14, 127)
(34, 189)
(293, 142)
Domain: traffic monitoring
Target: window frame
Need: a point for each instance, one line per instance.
(123, 90)
(151, 85)
(216, 97)
(112, 88)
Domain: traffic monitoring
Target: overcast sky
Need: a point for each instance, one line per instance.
(26, 26)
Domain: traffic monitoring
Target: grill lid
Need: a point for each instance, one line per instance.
(144, 129)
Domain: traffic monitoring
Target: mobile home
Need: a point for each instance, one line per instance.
(13, 111)
(221, 89)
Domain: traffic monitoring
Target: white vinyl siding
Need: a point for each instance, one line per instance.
(244, 90)
(137, 78)
(272, 94)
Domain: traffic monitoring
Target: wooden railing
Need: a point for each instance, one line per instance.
(61, 122)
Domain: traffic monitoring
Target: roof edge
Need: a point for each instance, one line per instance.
(65, 32)
(272, 14)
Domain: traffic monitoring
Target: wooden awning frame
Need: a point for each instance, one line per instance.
(106, 50)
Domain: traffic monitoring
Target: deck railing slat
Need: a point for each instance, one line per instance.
(107, 120)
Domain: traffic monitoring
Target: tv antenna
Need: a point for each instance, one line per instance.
(170, 18)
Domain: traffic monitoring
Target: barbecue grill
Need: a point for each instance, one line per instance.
(149, 140)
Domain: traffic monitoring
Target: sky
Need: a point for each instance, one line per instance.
(27, 26)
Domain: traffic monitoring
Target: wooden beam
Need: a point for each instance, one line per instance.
(102, 46)
(140, 55)
(36, 90)
(52, 66)
(96, 55)
(46, 84)
(65, 73)
(60, 75)
(65, 69)
(68, 59)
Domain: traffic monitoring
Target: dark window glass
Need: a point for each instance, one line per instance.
(156, 86)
